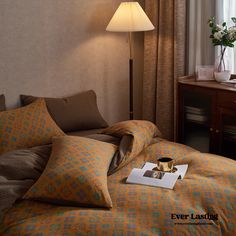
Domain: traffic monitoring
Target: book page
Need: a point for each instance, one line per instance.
(158, 179)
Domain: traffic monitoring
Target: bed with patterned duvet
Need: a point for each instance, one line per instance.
(64, 189)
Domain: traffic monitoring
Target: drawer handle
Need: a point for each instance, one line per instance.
(217, 131)
(234, 101)
(211, 129)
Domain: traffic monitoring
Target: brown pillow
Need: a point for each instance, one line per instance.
(2, 103)
(78, 112)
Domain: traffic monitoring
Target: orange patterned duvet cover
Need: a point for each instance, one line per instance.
(203, 203)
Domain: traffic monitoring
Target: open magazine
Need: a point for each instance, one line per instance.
(149, 175)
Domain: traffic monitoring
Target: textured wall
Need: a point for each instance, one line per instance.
(60, 47)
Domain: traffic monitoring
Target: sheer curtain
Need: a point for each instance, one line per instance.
(200, 50)
(225, 9)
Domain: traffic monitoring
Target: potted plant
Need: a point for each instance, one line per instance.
(222, 36)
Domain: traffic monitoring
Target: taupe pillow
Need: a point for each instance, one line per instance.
(78, 112)
(2, 103)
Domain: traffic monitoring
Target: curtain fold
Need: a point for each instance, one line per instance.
(200, 49)
(164, 62)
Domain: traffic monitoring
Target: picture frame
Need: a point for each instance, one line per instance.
(205, 73)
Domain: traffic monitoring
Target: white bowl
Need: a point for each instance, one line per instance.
(223, 76)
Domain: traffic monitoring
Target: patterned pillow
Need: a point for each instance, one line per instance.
(27, 127)
(76, 173)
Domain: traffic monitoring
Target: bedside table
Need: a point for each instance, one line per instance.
(207, 116)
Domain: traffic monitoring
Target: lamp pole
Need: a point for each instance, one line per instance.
(130, 17)
(131, 107)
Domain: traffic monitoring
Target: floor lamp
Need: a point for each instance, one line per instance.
(130, 17)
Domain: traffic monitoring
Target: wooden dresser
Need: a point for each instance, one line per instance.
(207, 116)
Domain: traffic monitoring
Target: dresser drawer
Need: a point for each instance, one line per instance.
(227, 99)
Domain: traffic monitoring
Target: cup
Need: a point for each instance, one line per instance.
(165, 164)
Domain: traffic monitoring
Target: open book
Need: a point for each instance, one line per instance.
(148, 175)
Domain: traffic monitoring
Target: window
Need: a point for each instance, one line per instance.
(200, 50)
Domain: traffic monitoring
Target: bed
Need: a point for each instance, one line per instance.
(203, 203)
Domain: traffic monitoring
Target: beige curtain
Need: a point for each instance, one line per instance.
(200, 50)
(164, 62)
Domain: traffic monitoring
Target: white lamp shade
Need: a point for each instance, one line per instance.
(129, 17)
